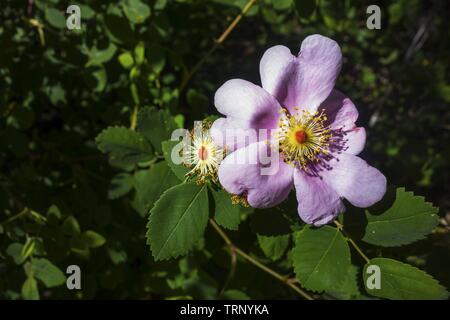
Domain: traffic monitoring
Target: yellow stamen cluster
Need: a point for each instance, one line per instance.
(202, 154)
(303, 138)
(240, 199)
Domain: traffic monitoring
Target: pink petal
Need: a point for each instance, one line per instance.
(272, 67)
(340, 110)
(355, 140)
(318, 204)
(352, 178)
(229, 133)
(342, 115)
(309, 79)
(245, 101)
(240, 173)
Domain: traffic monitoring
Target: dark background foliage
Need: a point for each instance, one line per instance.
(60, 88)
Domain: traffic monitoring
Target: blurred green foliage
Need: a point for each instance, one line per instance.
(63, 202)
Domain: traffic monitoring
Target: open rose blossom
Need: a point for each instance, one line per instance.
(312, 125)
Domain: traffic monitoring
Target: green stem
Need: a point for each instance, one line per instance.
(258, 264)
(353, 243)
(17, 216)
(217, 43)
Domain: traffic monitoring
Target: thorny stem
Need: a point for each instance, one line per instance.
(218, 42)
(258, 264)
(353, 243)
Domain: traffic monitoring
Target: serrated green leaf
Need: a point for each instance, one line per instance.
(150, 185)
(320, 257)
(124, 146)
(226, 213)
(348, 289)
(400, 281)
(178, 169)
(155, 125)
(408, 219)
(120, 185)
(274, 246)
(47, 272)
(30, 290)
(178, 220)
(92, 239)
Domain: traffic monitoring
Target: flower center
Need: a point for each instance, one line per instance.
(203, 153)
(300, 136)
(304, 138)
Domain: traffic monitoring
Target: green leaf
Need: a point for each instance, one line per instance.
(198, 102)
(136, 11)
(226, 213)
(402, 281)
(150, 185)
(53, 211)
(47, 272)
(139, 53)
(120, 185)
(70, 226)
(274, 246)
(321, 257)
(282, 4)
(156, 58)
(30, 290)
(97, 57)
(407, 219)
(118, 29)
(178, 220)
(14, 250)
(96, 78)
(179, 120)
(125, 146)
(178, 169)
(92, 239)
(349, 288)
(55, 18)
(28, 248)
(155, 125)
(126, 60)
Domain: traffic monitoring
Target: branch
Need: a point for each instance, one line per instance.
(258, 264)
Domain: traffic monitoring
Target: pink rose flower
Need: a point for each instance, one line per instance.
(312, 124)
